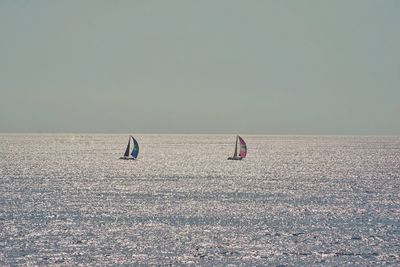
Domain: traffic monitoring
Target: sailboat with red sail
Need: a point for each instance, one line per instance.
(242, 149)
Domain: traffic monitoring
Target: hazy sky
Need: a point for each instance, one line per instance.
(268, 67)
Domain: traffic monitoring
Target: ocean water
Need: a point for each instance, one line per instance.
(294, 201)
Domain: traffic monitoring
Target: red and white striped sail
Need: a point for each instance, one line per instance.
(243, 148)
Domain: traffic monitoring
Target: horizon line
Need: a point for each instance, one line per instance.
(193, 133)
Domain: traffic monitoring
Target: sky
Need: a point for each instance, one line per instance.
(212, 66)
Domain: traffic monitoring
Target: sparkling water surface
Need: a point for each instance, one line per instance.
(294, 201)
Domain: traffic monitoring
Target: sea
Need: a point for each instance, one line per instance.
(67, 199)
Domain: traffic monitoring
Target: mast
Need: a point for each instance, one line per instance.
(235, 155)
(127, 148)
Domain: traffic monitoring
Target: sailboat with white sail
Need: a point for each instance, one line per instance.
(135, 151)
(242, 151)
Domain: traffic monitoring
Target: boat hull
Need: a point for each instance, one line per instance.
(127, 158)
(235, 158)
